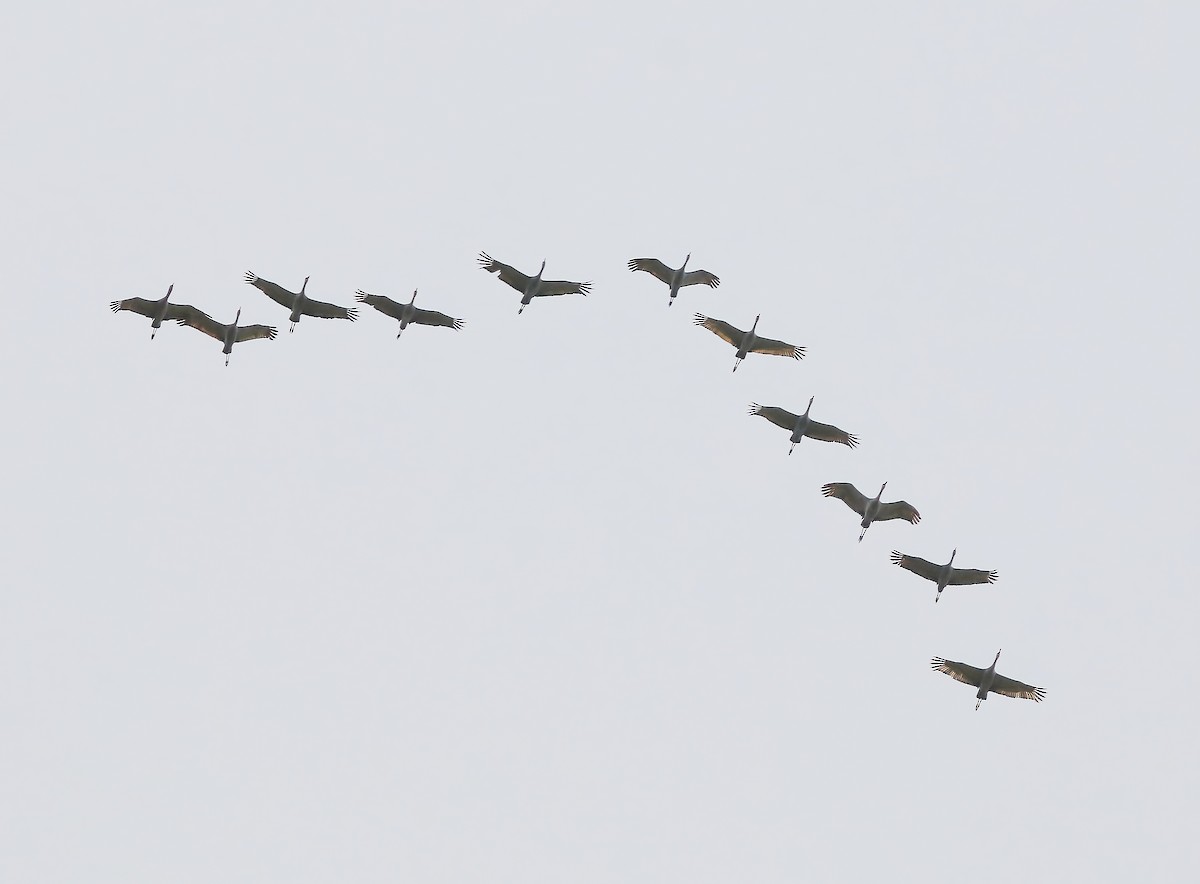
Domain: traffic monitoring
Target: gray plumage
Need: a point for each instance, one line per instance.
(943, 575)
(988, 680)
(227, 334)
(406, 313)
(159, 311)
(872, 509)
(801, 425)
(531, 287)
(299, 303)
(747, 342)
(675, 279)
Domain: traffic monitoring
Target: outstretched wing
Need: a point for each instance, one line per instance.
(898, 509)
(201, 322)
(507, 273)
(322, 310)
(433, 317)
(959, 671)
(917, 565)
(700, 277)
(137, 305)
(654, 267)
(179, 311)
(829, 433)
(780, 417)
(721, 329)
(847, 494)
(276, 293)
(254, 332)
(964, 576)
(777, 348)
(1010, 687)
(382, 303)
(551, 287)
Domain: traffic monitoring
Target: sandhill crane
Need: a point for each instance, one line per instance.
(227, 334)
(531, 287)
(406, 313)
(676, 279)
(158, 311)
(748, 342)
(299, 303)
(802, 425)
(871, 510)
(988, 680)
(943, 575)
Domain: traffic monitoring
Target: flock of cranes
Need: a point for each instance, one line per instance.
(799, 426)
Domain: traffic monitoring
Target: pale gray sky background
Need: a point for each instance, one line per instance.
(538, 601)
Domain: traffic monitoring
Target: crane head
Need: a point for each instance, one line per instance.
(170, 289)
(414, 297)
(303, 287)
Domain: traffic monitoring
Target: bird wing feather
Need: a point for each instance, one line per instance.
(780, 417)
(433, 317)
(959, 671)
(1010, 687)
(137, 305)
(276, 293)
(829, 433)
(506, 272)
(323, 310)
(552, 287)
(382, 303)
(201, 322)
(721, 329)
(917, 565)
(700, 277)
(654, 267)
(848, 494)
(777, 348)
(898, 509)
(254, 332)
(965, 576)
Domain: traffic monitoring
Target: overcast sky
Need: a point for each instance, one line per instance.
(537, 601)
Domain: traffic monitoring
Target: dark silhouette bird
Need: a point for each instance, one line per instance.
(300, 303)
(748, 342)
(406, 313)
(871, 510)
(943, 575)
(988, 680)
(158, 311)
(531, 287)
(676, 279)
(227, 334)
(802, 425)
